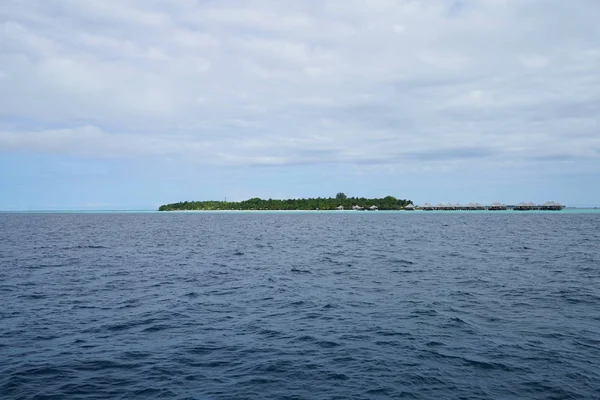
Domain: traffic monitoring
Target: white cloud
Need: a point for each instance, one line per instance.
(534, 61)
(398, 28)
(275, 83)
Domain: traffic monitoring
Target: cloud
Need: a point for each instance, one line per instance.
(264, 82)
(534, 61)
(92, 141)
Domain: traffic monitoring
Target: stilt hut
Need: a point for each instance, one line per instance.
(525, 206)
(551, 206)
(520, 206)
(427, 207)
(409, 207)
(497, 207)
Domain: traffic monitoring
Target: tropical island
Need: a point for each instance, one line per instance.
(339, 202)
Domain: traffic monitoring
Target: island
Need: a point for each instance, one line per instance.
(339, 202)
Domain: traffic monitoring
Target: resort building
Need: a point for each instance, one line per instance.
(474, 206)
(497, 207)
(551, 206)
(522, 206)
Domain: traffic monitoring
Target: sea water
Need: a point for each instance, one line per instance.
(314, 305)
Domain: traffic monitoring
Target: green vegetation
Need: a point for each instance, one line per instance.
(320, 203)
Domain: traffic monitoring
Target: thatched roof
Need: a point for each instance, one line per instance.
(526, 205)
(409, 206)
(551, 204)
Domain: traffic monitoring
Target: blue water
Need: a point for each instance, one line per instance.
(300, 305)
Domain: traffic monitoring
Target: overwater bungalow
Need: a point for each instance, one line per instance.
(497, 207)
(340, 208)
(522, 206)
(427, 207)
(373, 208)
(409, 207)
(551, 206)
(474, 207)
(444, 207)
(357, 208)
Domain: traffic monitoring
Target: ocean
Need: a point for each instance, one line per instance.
(304, 305)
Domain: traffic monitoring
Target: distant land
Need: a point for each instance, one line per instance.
(340, 201)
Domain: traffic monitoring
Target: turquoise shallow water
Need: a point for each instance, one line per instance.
(300, 305)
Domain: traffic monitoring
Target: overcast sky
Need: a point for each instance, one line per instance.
(121, 104)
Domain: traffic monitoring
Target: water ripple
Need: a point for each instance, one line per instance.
(297, 306)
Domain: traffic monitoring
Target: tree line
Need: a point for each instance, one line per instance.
(318, 203)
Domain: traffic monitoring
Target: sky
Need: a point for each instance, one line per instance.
(130, 104)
